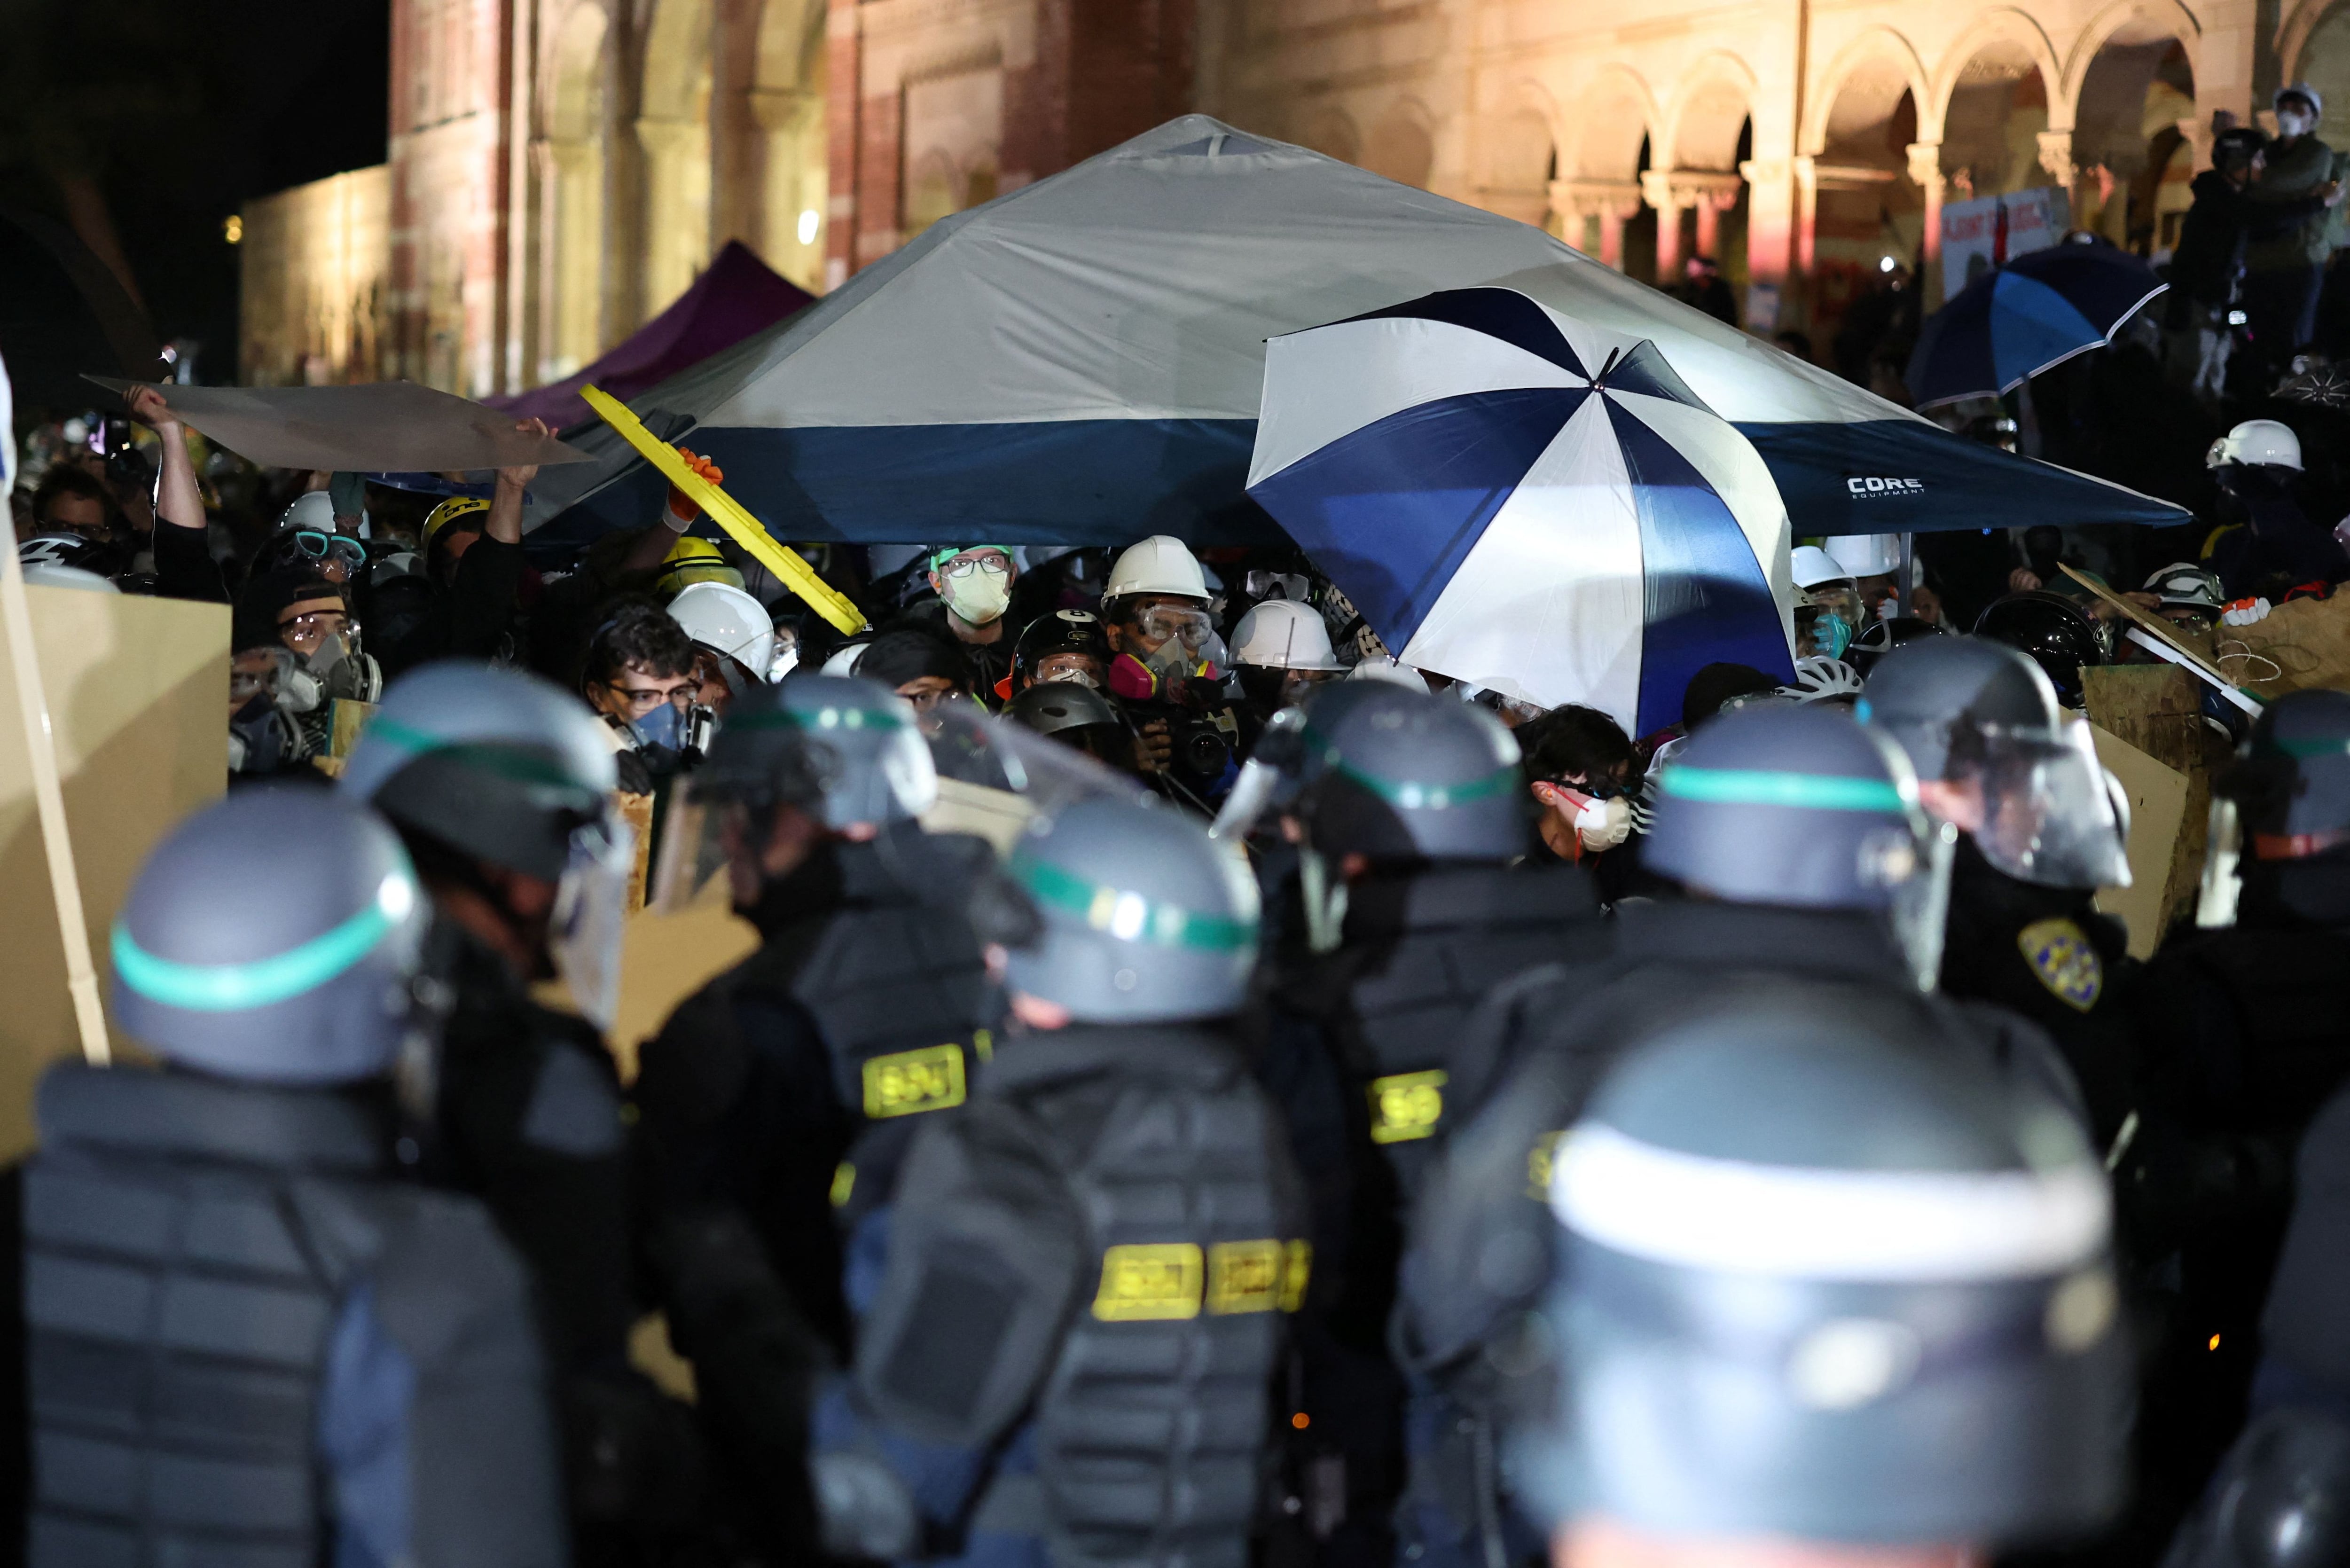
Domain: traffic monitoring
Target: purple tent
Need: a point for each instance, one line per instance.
(737, 296)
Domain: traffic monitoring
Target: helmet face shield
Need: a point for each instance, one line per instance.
(2223, 857)
(2049, 816)
(591, 906)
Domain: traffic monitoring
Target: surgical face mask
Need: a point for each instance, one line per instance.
(2295, 122)
(591, 906)
(979, 598)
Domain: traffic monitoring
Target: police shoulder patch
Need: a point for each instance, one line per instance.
(908, 1082)
(1406, 1106)
(2065, 959)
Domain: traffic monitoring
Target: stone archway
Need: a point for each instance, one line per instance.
(1868, 214)
(1598, 198)
(673, 131)
(1699, 190)
(1401, 146)
(1521, 160)
(2131, 149)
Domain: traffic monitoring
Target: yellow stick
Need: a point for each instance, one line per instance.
(746, 530)
(49, 806)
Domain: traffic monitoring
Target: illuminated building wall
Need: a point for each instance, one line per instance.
(561, 169)
(313, 265)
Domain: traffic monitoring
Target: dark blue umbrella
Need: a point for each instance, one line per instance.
(2038, 310)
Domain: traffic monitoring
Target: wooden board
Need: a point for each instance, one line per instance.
(2157, 797)
(138, 694)
(2159, 709)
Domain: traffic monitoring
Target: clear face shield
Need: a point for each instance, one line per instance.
(2224, 861)
(994, 777)
(2051, 815)
(591, 908)
(1914, 867)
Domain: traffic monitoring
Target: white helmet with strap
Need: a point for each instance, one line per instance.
(1279, 635)
(1158, 565)
(2264, 442)
(725, 619)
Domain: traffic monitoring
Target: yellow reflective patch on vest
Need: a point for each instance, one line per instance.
(1539, 1160)
(983, 1043)
(1244, 1276)
(844, 1182)
(1406, 1106)
(1154, 1281)
(1297, 1268)
(901, 1084)
(2065, 958)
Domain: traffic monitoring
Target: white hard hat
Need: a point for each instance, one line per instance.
(2300, 90)
(1381, 667)
(1160, 564)
(721, 617)
(1867, 555)
(311, 509)
(2257, 441)
(51, 575)
(1279, 635)
(845, 660)
(1812, 565)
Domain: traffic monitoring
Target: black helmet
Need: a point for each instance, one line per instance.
(2277, 1500)
(2054, 632)
(1057, 706)
(1883, 637)
(1395, 774)
(1821, 1284)
(1062, 631)
(2282, 815)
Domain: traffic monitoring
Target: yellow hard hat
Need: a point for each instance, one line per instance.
(691, 560)
(448, 512)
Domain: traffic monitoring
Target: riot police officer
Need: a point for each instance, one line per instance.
(1070, 1313)
(1407, 811)
(250, 1340)
(787, 1089)
(2246, 1031)
(499, 784)
(2038, 834)
(1826, 1295)
(1811, 868)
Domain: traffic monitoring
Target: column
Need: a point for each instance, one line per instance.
(1656, 186)
(1926, 172)
(1609, 201)
(843, 83)
(1807, 211)
(1770, 220)
(787, 117)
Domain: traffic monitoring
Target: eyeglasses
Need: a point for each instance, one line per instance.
(320, 546)
(645, 698)
(993, 564)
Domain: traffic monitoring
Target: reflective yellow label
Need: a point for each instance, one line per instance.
(1407, 1105)
(985, 1043)
(1298, 1270)
(929, 1079)
(844, 1182)
(2064, 960)
(1538, 1165)
(1244, 1276)
(1140, 1283)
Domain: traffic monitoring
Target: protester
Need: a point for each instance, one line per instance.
(973, 584)
(1167, 667)
(2283, 273)
(643, 679)
(1065, 645)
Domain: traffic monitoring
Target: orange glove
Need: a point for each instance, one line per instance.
(682, 508)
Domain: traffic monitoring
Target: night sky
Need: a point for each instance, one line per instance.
(181, 110)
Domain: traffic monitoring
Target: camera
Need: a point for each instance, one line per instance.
(1200, 730)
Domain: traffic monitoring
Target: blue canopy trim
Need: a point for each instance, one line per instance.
(1707, 600)
(1075, 482)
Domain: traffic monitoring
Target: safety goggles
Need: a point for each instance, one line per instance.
(323, 546)
(1167, 623)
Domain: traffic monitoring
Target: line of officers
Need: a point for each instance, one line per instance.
(1051, 1206)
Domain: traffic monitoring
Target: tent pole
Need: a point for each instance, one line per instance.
(1902, 583)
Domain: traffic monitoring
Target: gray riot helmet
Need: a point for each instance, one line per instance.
(1134, 915)
(849, 750)
(1980, 716)
(1819, 1284)
(272, 936)
(2280, 817)
(1393, 774)
(1781, 803)
(516, 771)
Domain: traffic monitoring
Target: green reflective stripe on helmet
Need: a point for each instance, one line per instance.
(258, 982)
(2313, 746)
(505, 759)
(1755, 786)
(1409, 793)
(819, 720)
(1129, 916)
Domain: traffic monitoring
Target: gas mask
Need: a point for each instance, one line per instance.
(1187, 639)
(591, 903)
(661, 729)
(258, 739)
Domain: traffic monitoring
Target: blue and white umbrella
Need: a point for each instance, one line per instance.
(1526, 502)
